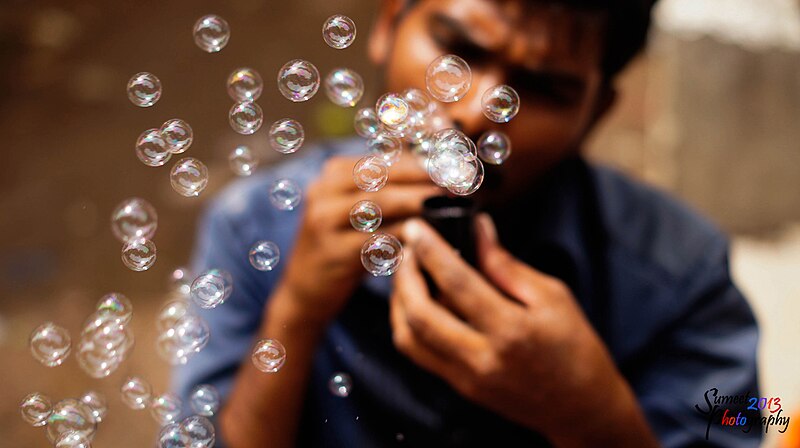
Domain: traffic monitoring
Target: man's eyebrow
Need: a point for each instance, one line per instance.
(454, 26)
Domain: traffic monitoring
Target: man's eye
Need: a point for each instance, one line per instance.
(451, 39)
(548, 88)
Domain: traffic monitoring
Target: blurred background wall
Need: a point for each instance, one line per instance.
(710, 113)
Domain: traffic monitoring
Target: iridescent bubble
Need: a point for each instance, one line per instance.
(286, 135)
(151, 149)
(165, 408)
(366, 122)
(419, 103)
(344, 87)
(169, 348)
(139, 254)
(340, 384)
(97, 360)
(246, 117)
(144, 89)
(339, 31)
(386, 147)
(500, 103)
(211, 33)
(134, 218)
(448, 78)
(97, 404)
(366, 216)
(170, 313)
(392, 109)
(180, 280)
(70, 415)
(136, 393)
(73, 439)
(173, 436)
(471, 184)
(381, 254)
(192, 333)
(269, 355)
(494, 147)
(177, 134)
(117, 306)
(455, 140)
(204, 400)
(264, 255)
(448, 167)
(242, 161)
(285, 194)
(245, 84)
(298, 80)
(371, 173)
(35, 409)
(189, 177)
(199, 430)
(209, 290)
(50, 344)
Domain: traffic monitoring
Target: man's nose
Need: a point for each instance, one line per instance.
(467, 113)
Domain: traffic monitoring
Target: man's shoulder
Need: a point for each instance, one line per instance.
(652, 227)
(243, 197)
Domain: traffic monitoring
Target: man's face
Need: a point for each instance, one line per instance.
(549, 53)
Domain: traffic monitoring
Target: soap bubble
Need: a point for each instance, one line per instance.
(70, 415)
(96, 360)
(264, 255)
(419, 103)
(500, 103)
(35, 409)
(96, 404)
(494, 147)
(192, 333)
(472, 183)
(366, 216)
(180, 280)
(50, 344)
(177, 134)
(72, 439)
(392, 109)
(344, 87)
(169, 348)
(246, 117)
(457, 170)
(144, 89)
(151, 148)
(139, 254)
(199, 430)
(211, 33)
(104, 344)
(285, 194)
(172, 435)
(386, 147)
(136, 393)
(381, 254)
(371, 173)
(242, 161)
(340, 384)
(339, 31)
(189, 177)
(204, 400)
(298, 80)
(211, 289)
(366, 122)
(170, 313)
(268, 355)
(448, 78)
(165, 408)
(117, 306)
(286, 135)
(134, 218)
(245, 84)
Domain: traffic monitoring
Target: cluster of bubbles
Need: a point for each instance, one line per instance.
(181, 331)
(70, 423)
(134, 222)
(106, 339)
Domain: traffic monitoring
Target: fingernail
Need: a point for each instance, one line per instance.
(487, 227)
(412, 231)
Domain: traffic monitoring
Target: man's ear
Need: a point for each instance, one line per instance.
(380, 41)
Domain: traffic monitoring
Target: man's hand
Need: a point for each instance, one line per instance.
(324, 267)
(511, 339)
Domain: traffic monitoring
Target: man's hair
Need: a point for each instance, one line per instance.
(628, 22)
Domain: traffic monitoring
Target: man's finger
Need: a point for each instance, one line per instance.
(395, 202)
(337, 173)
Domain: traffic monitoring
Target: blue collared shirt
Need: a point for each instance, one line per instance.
(651, 276)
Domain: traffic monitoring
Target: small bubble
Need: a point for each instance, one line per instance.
(366, 122)
(136, 393)
(177, 134)
(339, 31)
(340, 384)
(344, 87)
(285, 194)
(500, 103)
(189, 177)
(139, 254)
(35, 409)
(165, 408)
(371, 173)
(242, 161)
(151, 149)
(97, 404)
(264, 255)
(448, 78)
(366, 216)
(144, 89)
(381, 254)
(204, 400)
(246, 117)
(211, 33)
(268, 355)
(386, 147)
(50, 344)
(392, 109)
(298, 80)
(286, 135)
(245, 84)
(494, 147)
(134, 218)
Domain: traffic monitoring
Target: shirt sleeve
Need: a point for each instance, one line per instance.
(712, 344)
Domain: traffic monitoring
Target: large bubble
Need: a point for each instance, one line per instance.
(298, 80)
(50, 344)
(448, 78)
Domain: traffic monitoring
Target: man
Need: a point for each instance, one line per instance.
(597, 315)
